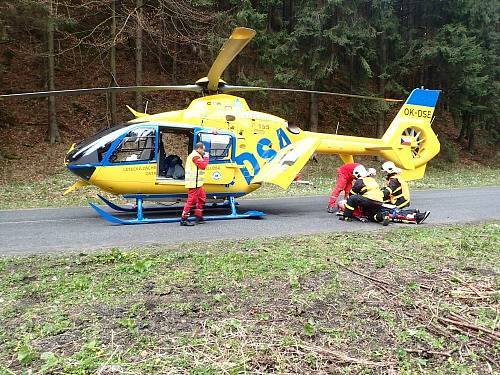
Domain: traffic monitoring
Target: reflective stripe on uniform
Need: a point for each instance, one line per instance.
(349, 207)
(402, 189)
(405, 190)
(373, 191)
(194, 176)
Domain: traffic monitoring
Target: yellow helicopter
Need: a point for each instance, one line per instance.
(142, 159)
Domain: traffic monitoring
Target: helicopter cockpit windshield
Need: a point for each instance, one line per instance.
(93, 149)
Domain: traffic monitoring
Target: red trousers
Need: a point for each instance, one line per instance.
(196, 198)
(343, 184)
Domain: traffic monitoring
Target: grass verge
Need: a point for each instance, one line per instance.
(410, 300)
(47, 192)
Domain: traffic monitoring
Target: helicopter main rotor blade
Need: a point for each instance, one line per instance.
(39, 94)
(236, 42)
(231, 88)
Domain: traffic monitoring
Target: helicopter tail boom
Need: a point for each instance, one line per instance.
(409, 141)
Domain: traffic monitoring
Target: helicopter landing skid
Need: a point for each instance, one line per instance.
(140, 219)
(119, 208)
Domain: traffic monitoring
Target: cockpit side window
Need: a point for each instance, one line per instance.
(138, 145)
(217, 145)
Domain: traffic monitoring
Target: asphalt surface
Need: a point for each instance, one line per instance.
(75, 229)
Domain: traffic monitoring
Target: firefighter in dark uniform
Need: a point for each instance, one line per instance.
(396, 191)
(367, 196)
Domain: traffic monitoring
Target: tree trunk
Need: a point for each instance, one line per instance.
(313, 112)
(174, 64)
(382, 67)
(381, 82)
(53, 130)
(465, 124)
(112, 61)
(462, 132)
(410, 23)
(288, 9)
(138, 56)
(351, 71)
(470, 136)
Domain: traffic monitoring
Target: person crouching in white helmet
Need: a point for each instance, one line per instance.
(365, 195)
(396, 190)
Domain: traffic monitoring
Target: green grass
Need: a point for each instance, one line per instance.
(335, 303)
(48, 191)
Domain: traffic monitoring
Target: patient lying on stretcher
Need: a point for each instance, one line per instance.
(388, 213)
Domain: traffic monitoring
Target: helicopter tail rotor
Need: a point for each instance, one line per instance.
(410, 136)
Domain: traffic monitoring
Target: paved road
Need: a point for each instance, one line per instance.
(56, 230)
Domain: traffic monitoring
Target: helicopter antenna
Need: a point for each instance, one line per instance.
(146, 107)
(337, 130)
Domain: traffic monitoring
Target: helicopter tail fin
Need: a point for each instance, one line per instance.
(137, 114)
(410, 136)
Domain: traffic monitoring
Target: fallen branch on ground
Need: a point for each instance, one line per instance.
(344, 358)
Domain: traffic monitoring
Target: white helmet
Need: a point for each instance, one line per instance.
(372, 172)
(389, 167)
(341, 204)
(360, 171)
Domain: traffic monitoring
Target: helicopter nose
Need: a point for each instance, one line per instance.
(84, 172)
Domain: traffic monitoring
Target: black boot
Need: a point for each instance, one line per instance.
(186, 223)
(200, 220)
(421, 216)
(386, 220)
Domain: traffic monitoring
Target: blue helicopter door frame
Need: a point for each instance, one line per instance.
(163, 150)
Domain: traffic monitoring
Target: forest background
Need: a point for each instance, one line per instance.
(381, 47)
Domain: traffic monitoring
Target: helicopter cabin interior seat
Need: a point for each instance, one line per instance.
(174, 147)
(147, 152)
(137, 145)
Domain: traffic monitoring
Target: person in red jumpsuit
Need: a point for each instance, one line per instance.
(196, 163)
(344, 183)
